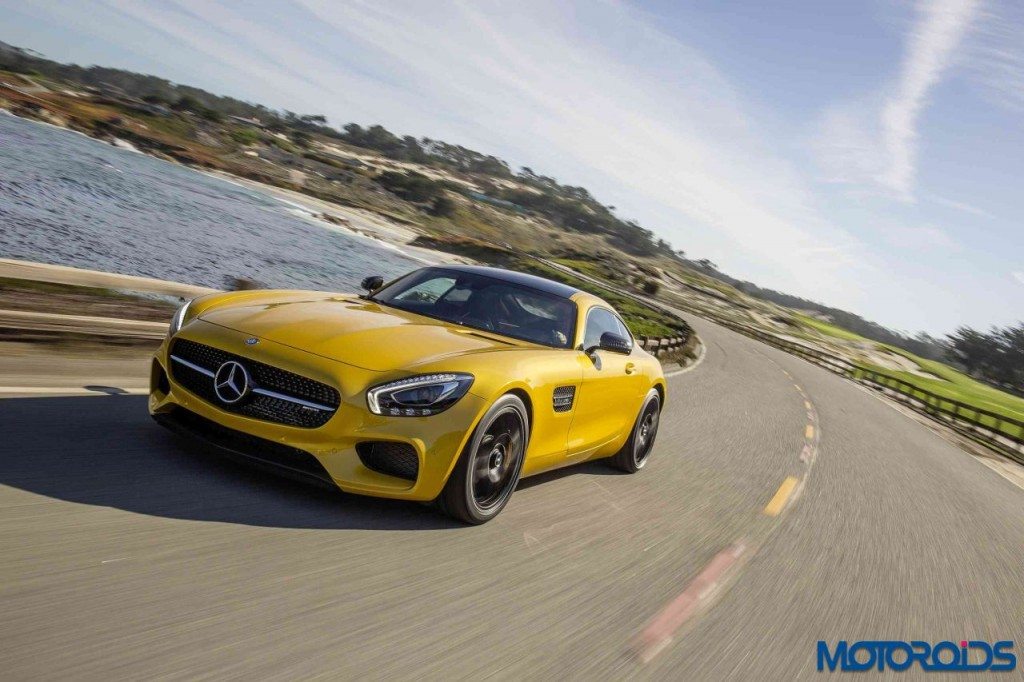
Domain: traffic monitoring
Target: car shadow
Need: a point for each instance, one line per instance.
(592, 468)
(107, 451)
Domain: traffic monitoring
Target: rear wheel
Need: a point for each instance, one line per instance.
(488, 469)
(633, 455)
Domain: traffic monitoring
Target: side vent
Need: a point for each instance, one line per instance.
(563, 397)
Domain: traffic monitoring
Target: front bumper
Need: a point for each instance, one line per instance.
(326, 454)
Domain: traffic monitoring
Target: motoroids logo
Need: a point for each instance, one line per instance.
(967, 656)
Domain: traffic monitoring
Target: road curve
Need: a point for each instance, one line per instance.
(128, 552)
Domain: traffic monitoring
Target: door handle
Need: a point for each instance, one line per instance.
(630, 367)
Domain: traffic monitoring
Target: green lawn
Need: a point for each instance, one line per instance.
(972, 394)
(948, 382)
(958, 386)
(828, 328)
(586, 267)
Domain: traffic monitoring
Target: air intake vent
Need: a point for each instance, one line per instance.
(389, 457)
(563, 397)
(239, 445)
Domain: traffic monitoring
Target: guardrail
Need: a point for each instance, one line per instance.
(999, 432)
(663, 345)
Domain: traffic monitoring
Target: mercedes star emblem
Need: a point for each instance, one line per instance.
(231, 382)
(251, 341)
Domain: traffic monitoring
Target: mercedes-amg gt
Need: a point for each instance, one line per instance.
(447, 384)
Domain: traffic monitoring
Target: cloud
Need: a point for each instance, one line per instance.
(996, 57)
(931, 46)
(874, 141)
(1018, 275)
(961, 206)
(920, 237)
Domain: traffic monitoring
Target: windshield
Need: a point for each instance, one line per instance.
(484, 303)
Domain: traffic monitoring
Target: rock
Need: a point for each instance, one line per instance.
(333, 219)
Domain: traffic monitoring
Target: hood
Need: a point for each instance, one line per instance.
(355, 331)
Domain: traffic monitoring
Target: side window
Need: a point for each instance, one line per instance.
(623, 332)
(600, 321)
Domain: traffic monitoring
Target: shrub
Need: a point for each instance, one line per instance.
(245, 136)
(413, 187)
(210, 115)
(650, 287)
(443, 207)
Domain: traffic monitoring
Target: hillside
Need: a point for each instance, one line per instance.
(437, 189)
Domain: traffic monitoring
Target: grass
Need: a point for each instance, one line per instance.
(977, 396)
(589, 268)
(174, 126)
(956, 385)
(828, 328)
(948, 383)
(245, 136)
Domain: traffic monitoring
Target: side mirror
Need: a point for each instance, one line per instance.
(613, 343)
(372, 283)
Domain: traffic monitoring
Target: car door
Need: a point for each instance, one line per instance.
(609, 391)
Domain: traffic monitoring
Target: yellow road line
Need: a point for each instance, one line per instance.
(807, 404)
(809, 432)
(781, 497)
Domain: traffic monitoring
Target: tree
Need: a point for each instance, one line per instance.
(972, 349)
(186, 103)
(413, 151)
(707, 264)
(210, 114)
(996, 357)
(414, 187)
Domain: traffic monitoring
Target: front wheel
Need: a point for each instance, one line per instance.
(633, 455)
(488, 469)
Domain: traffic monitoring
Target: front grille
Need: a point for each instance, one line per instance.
(389, 457)
(283, 458)
(283, 408)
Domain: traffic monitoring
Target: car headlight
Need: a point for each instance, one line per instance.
(418, 396)
(178, 319)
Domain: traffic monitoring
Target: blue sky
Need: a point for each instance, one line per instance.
(865, 154)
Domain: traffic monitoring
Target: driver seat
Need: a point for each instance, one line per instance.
(481, 307)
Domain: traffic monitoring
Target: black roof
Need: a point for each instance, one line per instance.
(521, 278)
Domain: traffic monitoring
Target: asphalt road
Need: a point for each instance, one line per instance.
(128, 553)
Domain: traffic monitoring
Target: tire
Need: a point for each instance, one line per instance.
(635, 453)
(488, 469)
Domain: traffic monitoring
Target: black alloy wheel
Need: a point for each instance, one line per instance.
(488, 470)
(634, 454)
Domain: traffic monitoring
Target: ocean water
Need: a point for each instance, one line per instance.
(71, 200)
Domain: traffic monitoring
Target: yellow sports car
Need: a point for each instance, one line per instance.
(448, 384)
